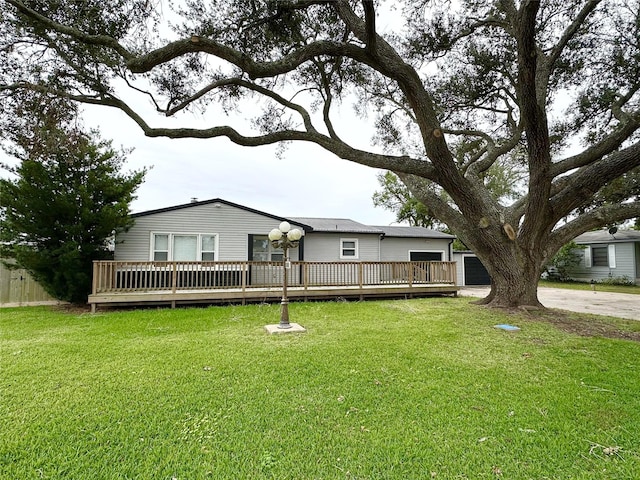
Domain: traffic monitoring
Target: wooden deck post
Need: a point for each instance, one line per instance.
(243, 281)
(94, 280)
(174, 277)
(410, 274)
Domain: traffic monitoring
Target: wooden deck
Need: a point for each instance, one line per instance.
(177, 283)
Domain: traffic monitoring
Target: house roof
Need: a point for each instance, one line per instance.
(413, 232)
(312, 224)
(603, 236)
(214, 201)
(335, 225)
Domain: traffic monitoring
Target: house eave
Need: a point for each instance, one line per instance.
(307, 228)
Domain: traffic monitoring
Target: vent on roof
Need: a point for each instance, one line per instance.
(194, 200)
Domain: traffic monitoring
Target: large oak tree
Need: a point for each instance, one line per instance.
(454, 89)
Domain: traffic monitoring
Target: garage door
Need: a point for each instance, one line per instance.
(475, 273)
(425, 256)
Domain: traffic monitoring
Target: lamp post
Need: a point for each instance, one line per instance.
(285, 238)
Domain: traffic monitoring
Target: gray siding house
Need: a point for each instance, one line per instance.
(211, 230)
(608, 255)
(219, 230)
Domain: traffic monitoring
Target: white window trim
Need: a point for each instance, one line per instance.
(198, 245)
(349, 257)
(612, 255)
(587, 257)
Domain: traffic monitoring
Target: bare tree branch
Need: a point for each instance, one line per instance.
(570, 32)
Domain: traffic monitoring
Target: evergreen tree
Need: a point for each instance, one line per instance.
(62, 203)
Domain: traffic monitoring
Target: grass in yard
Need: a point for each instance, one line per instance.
(600, 287)
(377, 390)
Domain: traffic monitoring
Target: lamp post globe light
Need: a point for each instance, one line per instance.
(285, 237)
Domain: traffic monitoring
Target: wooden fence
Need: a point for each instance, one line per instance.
(18, 288)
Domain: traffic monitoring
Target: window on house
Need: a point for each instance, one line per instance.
(160, 247)
(349, 248)
(599, 257)
(208, 249)
(263, 251)
(183, 247)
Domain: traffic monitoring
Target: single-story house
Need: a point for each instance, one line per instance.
(613, 254)
(219, 230)
(219, 251)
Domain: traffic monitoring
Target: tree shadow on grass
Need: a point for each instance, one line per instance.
(588, 325)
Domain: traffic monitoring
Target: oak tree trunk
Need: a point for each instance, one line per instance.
(514, 278)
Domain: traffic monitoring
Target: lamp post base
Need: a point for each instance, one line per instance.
(284, 314)
(294, 328)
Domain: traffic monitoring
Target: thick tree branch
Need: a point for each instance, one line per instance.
(579, 187)
(370, 22)
(146, 62)
(606, 214)
(598, 150)
(254, 70)
(341, 149)
(423, 191)
(535, 123)
(388, 62)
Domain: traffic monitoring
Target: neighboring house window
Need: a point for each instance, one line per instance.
(264, 252)
(599, 257)
(349, 248)
(183, 247)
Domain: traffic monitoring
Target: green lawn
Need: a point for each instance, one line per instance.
(416, 389)
(600, 287)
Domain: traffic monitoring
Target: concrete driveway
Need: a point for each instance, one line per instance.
(622, 305)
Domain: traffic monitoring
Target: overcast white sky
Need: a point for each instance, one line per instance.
(306, 181)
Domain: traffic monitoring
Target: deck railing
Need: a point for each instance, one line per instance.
(119, 276)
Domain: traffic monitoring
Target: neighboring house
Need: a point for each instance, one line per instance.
(608, 255)
(218, 230)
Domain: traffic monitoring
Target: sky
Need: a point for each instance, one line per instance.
(305, 182)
